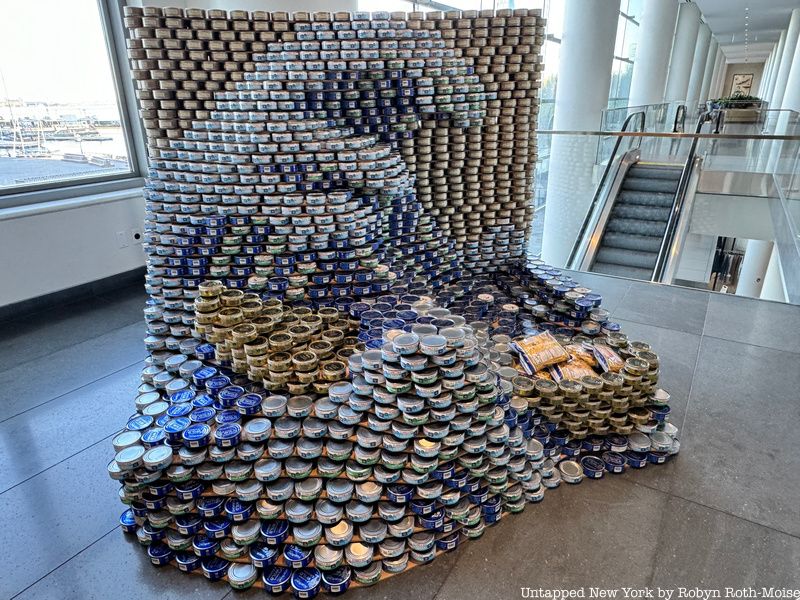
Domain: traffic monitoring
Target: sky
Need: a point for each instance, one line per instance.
(54, 51)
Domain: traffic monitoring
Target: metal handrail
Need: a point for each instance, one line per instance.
(680, 116)
(719, 121)
(677, 205)
(601, 184)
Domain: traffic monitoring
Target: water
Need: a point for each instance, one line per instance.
(51, 167)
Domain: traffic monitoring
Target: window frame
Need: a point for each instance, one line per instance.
(111, 19)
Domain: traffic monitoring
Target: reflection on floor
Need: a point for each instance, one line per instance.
(723, 514)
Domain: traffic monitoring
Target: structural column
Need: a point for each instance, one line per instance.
(791, 97)
(584, 79)
(776, 65)
(680, 66)
(656, 31)
(708, 71)
(698, 67)
(754, 268)
(776, 101)
(719, 71)
(774, 287)
(765, 75)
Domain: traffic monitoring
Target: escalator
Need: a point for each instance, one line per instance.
(636, 222)
(635, 228)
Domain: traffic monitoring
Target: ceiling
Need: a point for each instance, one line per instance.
(726, 19)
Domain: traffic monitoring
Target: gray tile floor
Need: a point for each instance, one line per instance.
(723, 514)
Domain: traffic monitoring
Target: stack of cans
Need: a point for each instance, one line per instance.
(343, 379)
(479, 180)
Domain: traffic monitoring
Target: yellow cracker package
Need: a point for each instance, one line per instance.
(540, 351)
(574, 369)
(608, 360)
(581, 352)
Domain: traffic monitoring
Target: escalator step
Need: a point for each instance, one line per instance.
(662, 199)
(637, 227)
(643, 184)
(655, 172)
(627, 258)
(627, 241)
(621, 271)
(640, 212)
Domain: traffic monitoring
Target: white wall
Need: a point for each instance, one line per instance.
(60, 247)
(756, 69)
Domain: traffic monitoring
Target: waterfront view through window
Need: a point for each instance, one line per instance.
(59, 117)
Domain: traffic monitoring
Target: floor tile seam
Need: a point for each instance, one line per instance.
(54, 569)
(719, 510)
(621, 318)
(89, 339)
(691, 384)
(80, 387)
(716, 337)
(74, 454)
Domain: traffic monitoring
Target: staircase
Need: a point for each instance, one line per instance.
(636, 225)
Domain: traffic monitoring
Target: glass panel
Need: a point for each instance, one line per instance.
(746, 187)
(59, 117)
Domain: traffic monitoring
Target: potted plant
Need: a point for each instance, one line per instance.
(739, 107)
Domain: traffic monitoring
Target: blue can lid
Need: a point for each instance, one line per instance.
(249, 401)
(177, 425)
(219, 524)
(277, 576)
(211, 503)
(194, 488)
(182, 396)
(204, 351)
(127, 519)
(139, 423)
(204, 373)
(275, 528)
(228, 416)
(202, 400)
(234, 506)
(295, 553)
(615, 459)
(338, 576)
(162, 420)
(202, 542)
(217, 383)
(153, 437)
(635, 457)
(188, 559)
(263, 552)
(159, 551)
(231, 393)
(188, 521)
(215, 565)
(179, 410)
(197, 432)
(228, 432)
(201, 415)
(304, 580)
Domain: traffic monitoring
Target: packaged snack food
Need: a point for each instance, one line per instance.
(574, 369)
(540, 351)
(608, 360)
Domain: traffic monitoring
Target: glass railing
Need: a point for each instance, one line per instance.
(664, 117)
(745, 186)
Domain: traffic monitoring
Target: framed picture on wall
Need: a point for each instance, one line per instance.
(742, 82)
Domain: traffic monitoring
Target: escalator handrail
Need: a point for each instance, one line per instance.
(677, 205)
(680, 119)
(601, 185)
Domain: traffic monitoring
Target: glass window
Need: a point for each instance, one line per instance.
(59, 116)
